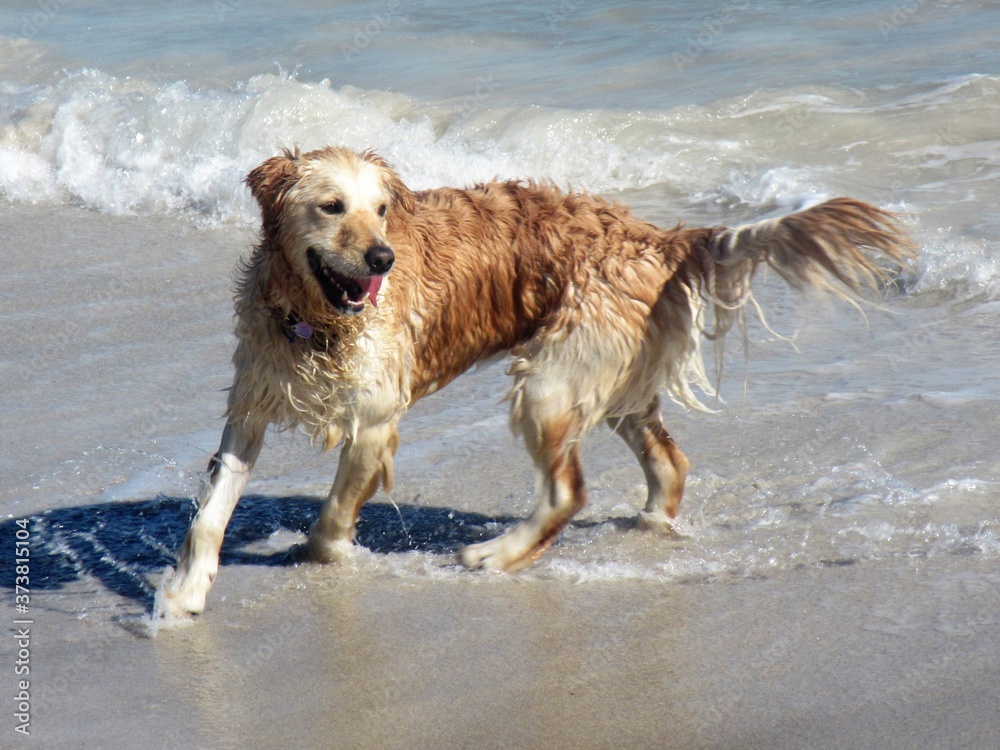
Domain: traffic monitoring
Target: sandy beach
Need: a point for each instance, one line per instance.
(891, 656)
(403, 649)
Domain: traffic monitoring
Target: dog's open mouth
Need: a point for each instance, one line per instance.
(345, 293)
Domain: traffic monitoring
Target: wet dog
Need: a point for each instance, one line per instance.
(363, 296)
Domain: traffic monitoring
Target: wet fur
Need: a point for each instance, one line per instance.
(600, 312)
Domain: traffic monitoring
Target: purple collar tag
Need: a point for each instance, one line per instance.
(302, 329)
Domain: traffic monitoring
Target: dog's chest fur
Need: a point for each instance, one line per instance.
(331, 380)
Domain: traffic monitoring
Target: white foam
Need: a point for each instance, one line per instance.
(957, 265)
(128, 145)
(785, 189)
(131, 145)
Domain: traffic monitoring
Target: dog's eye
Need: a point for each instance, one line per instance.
(381, 210)
(334, 208)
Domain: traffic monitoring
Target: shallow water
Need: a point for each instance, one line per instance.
(826, 458)
(867, 452)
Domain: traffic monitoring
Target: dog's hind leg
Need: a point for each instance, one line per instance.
(198, 559)
(663, 463)
(554, 445)
(365, 460)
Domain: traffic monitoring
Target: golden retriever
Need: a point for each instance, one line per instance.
(363, 296)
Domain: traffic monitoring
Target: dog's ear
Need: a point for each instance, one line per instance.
(402, 196)
(269, 183)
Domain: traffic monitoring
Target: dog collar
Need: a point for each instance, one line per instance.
(292, 328)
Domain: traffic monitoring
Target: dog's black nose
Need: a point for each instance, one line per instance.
(380, 259)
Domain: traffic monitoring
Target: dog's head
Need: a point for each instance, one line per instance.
(328, 212)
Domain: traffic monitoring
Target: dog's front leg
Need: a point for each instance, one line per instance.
(365, 459)
(198, 560)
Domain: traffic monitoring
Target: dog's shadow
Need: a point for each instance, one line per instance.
(123, 544)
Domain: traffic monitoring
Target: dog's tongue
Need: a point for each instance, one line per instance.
(370, 286)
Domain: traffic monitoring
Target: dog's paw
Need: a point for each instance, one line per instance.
(508, 552)
(658, 522)
(483, 556)
(180, 597)
(327, 551)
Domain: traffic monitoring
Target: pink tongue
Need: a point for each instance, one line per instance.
(370, 286)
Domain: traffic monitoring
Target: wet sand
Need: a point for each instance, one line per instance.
(117, 341)
(888, 656)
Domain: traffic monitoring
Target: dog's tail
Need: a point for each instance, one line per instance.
(843, 246)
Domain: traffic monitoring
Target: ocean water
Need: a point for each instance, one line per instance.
(126, 131)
